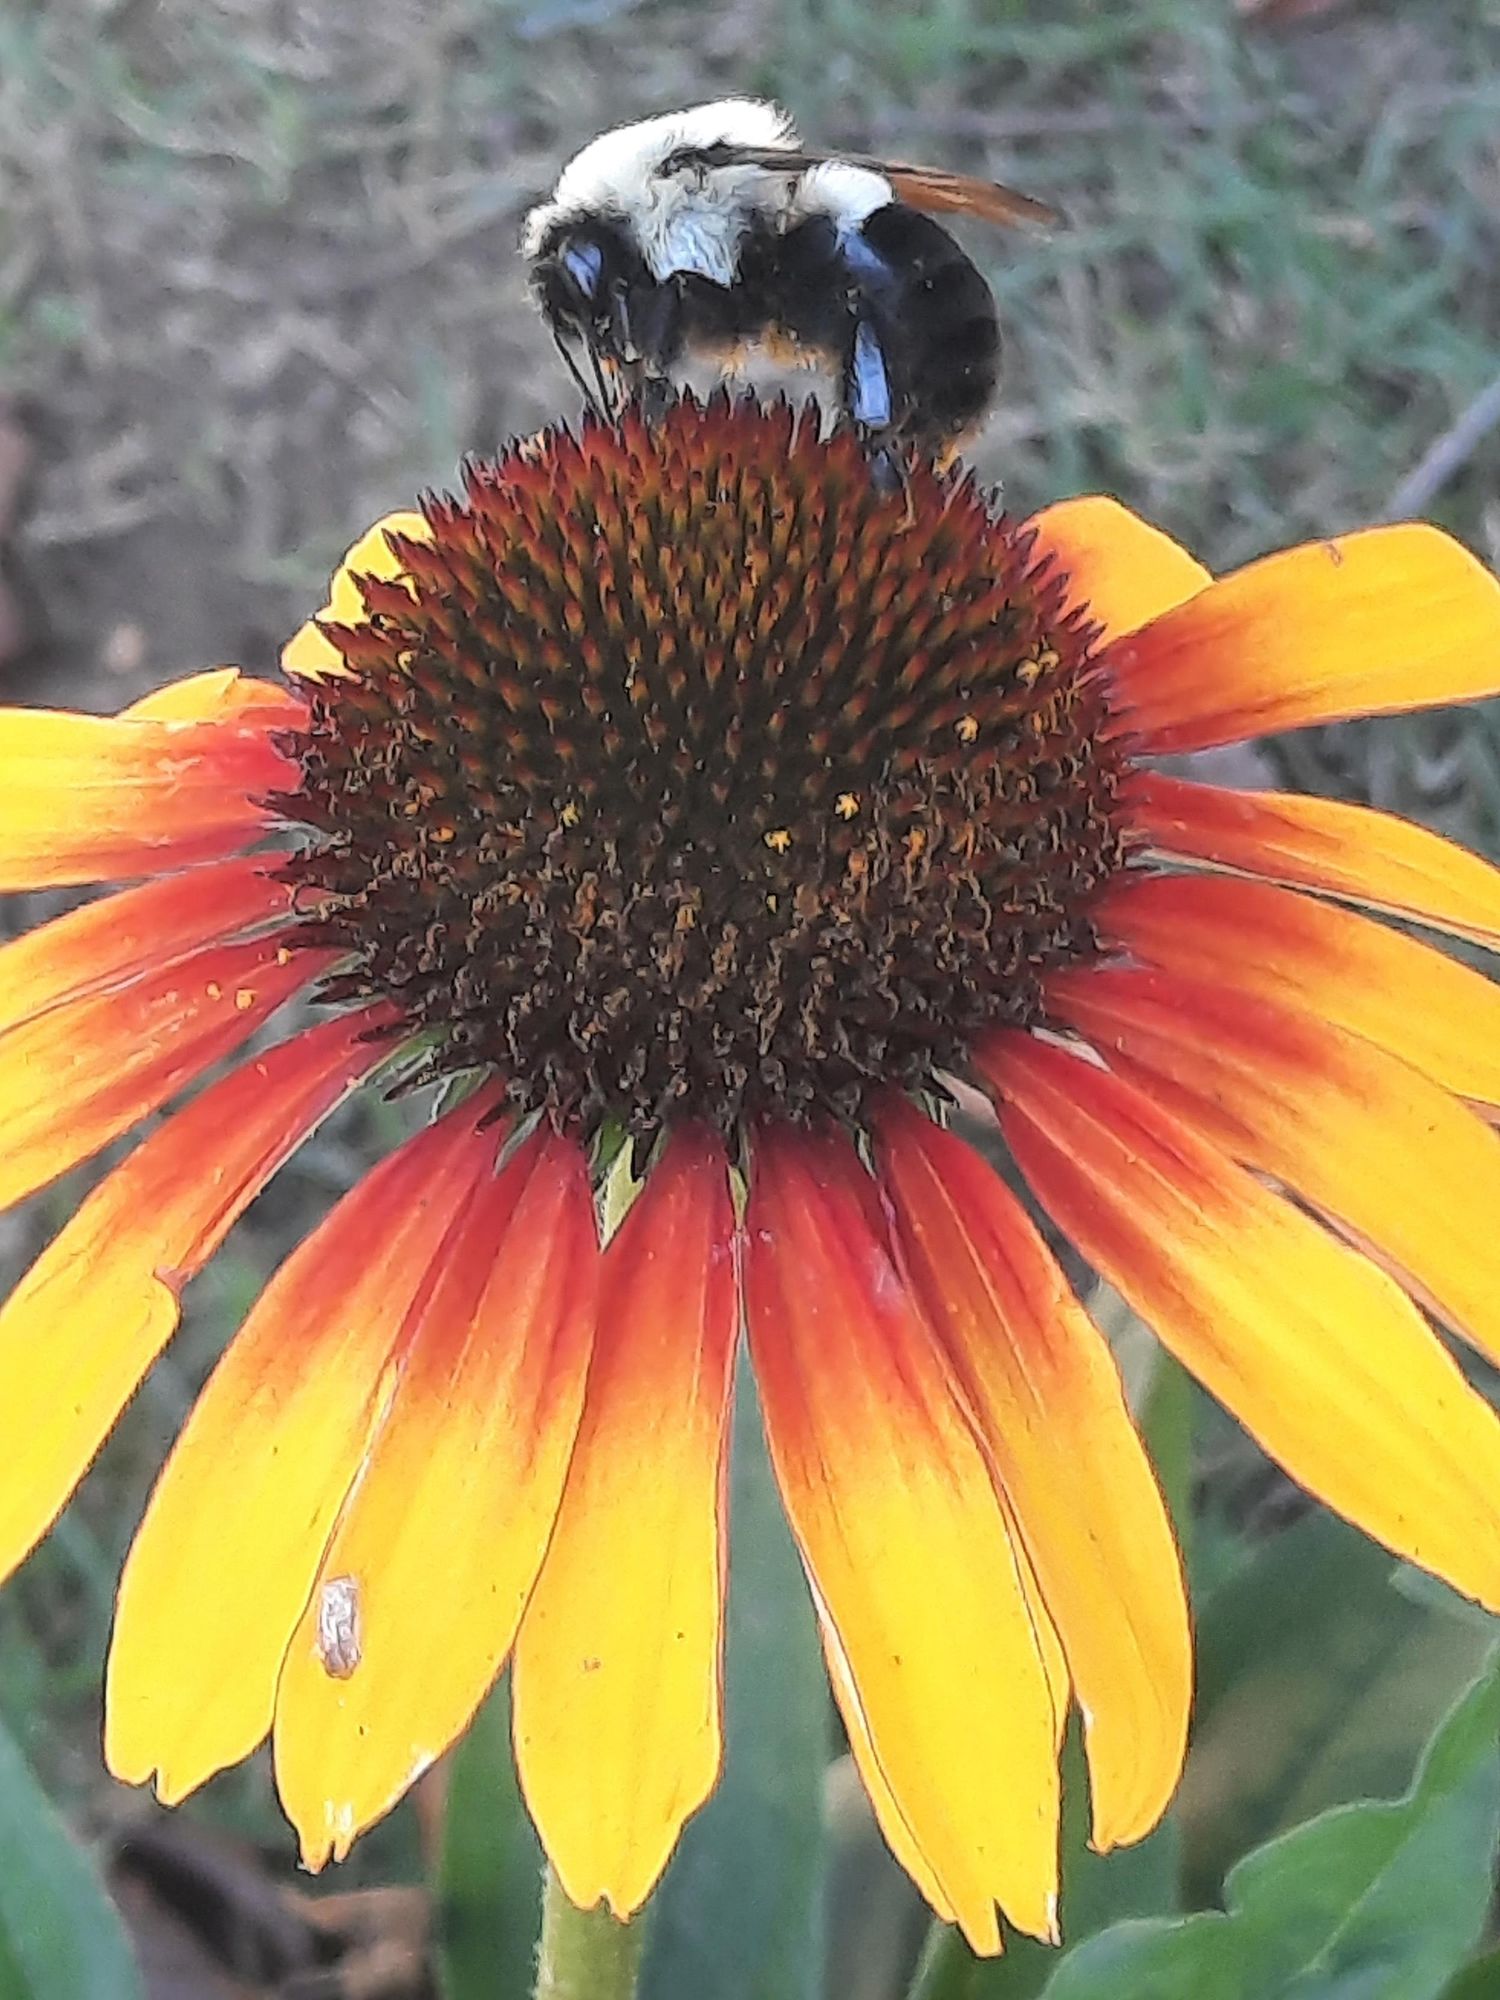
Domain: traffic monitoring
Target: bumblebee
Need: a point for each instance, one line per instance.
(714, 230)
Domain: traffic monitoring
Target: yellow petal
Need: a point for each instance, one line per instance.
(235, 1531)
(420, 1591)
(889, 1817)
(1367, 624)
(221, 693)
(617, 1703)
(898, 1523)
(1362, 1136)
(102, 1300)
(1120, 570)
(1318, 1353)
(117, 938)
(309, 654)
(1332, 964)
(82, 1073)
(1047, 1396)
(1345, 850)
(180, 778)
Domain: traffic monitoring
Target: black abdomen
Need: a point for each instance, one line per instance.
(931, 314)
(942, 339)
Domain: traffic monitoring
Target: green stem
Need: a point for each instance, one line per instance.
(585, 1954)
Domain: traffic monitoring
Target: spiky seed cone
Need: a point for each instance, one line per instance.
(695, 775)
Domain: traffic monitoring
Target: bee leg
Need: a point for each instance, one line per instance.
(618, 358)
(611, 381)
(645, 337)
(887, 468)
(656, 394)
(890, 473)
(871, 407)
(640, 388)
(867, 382)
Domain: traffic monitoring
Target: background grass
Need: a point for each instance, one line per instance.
(258, 284)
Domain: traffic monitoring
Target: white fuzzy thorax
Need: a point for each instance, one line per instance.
(690, 220)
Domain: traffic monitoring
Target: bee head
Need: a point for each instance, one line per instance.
(569, 275)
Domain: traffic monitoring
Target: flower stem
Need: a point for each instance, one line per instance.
(585, 1954)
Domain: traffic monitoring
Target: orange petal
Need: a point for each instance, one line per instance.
(235, 1531)
(86, 797)
(1328, 962)
(617, 1701)
(423, 1582)
(1370, 624)
(1047, 1396)
(86, 1071)
(1361, 1135)
(1370, 857)
(120, 936)
(219, 694)
(1120, 570)
(310, 654)
(1317, 1352)
(892, 1505)
(101, 1302)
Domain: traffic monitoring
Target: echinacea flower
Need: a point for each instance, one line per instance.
(697, 805)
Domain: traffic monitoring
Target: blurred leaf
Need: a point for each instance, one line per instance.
(1376, 1901)
(1422, 1587)
(489, 1887)
(739, 1914)
(1317, 1683)
(877, 1922)
(1174, 1958)
(61, 1937)
(1479, 1981)
(1103, 1889)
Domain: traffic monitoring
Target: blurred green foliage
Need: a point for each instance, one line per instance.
(60, 1938)
(1379, 1900)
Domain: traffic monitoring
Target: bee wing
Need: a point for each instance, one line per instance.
(942, 193)
(929, 188)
